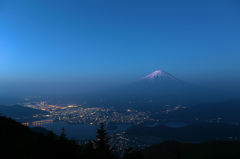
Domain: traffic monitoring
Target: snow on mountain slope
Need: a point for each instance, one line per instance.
(160, 75)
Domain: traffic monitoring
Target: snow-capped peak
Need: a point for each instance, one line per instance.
(160, 75)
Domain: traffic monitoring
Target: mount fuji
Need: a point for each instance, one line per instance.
(152, 91)
(156, 88)
(160, 75)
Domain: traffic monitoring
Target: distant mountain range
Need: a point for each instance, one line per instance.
(20, 113)
(225, 111)
(191, 133)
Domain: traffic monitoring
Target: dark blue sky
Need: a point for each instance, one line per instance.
(54, 40)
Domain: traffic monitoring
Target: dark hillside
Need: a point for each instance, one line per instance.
(18, 141)
(207, 150)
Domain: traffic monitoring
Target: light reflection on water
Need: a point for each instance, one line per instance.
(79, 132)
(83, 132)
(73, 131)
(169, 124)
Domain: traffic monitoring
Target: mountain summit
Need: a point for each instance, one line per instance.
(160, 75)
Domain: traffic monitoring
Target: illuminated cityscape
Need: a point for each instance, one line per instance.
(78, 114)
(116, 121)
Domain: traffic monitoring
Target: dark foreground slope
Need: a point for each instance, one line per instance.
(207, 150)
(18, 141)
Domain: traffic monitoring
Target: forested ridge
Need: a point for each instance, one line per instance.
(20, 142)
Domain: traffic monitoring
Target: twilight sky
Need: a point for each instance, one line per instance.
(118, 40)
